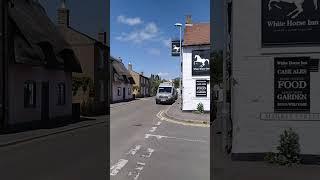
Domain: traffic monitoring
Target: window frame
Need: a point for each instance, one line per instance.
(119, 91)
(61, 95)
(27, 103)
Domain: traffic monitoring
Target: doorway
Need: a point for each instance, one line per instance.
(45, 101)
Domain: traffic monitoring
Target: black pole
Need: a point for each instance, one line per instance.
(4, 62)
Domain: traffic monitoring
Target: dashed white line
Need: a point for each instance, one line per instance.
(134, 150)
(152, 135)
(160, 137)
(150, 151)
(152, 129)
(118, 166)
(137, 170)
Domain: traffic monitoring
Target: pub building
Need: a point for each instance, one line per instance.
(274, 77)
(195, 66)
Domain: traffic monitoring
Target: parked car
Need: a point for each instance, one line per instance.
(166, 93)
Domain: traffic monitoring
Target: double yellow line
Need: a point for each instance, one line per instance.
(163, 118)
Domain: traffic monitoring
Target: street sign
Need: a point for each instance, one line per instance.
(175, 48)
(201, 63)
(290, 22)
(201, 88)
(291, 84)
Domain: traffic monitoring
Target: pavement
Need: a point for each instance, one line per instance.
(226, 169)
(174, 112)
(17, 136)
(78, 154)
(143, 145)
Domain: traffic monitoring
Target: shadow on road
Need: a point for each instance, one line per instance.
(50, 124)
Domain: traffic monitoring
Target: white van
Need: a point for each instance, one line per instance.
(166, 93)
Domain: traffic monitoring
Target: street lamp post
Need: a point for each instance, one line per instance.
(180, 83)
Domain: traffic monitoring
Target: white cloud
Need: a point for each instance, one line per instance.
(149, 32)
(154, 51)
(163, 74)
(129, 21)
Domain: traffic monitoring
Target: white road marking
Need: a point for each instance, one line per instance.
(157, 136)
(118, 166)
(134, 150)
(150, 151)
(152, 129)
(168, 137)
(158, 124)
(137, 170)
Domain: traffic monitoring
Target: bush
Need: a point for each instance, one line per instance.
(200, 108)
(288, 149)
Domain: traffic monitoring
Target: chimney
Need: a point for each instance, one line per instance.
(130, 67)
(141, 73)
(102, 37)
(188, 20)
(63, 15)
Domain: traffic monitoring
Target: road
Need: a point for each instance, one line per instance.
(144, 147)
(75, 155)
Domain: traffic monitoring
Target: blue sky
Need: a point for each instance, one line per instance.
(141, 31)
(86, 16)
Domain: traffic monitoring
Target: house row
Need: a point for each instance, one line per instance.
(127, 84)
(40, 62)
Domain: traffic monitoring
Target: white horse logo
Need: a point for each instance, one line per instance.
(200, 60)
(298, 3)
(175, 48)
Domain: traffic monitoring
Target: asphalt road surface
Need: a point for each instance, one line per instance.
(75, 155)
(144, 147)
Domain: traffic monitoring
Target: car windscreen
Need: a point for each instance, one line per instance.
(165, 89)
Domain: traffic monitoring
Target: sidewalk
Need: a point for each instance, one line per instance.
(16, 136)
(175, 112)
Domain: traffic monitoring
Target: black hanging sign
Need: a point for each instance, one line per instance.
(201, 88)
(175, 48)
(290, 22)
(291, 84)
(201, 63)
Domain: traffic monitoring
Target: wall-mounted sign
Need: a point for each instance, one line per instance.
(175, 48)
(291, 84)
(201, 63)
(270, 116)
(201, 88)
(290, 22)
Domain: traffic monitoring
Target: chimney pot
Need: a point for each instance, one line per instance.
(130, 66)
(188, 20)
(102, 37)
(63, 15)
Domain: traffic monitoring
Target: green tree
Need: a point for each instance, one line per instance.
(176, 82)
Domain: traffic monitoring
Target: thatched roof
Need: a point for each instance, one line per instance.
(37, 39)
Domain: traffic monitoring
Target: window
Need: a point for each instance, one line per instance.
(61, 93)
(101, 90)
(129, 91)
(165, 89)
(101, 59)
(30, 94)
(119, 91)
